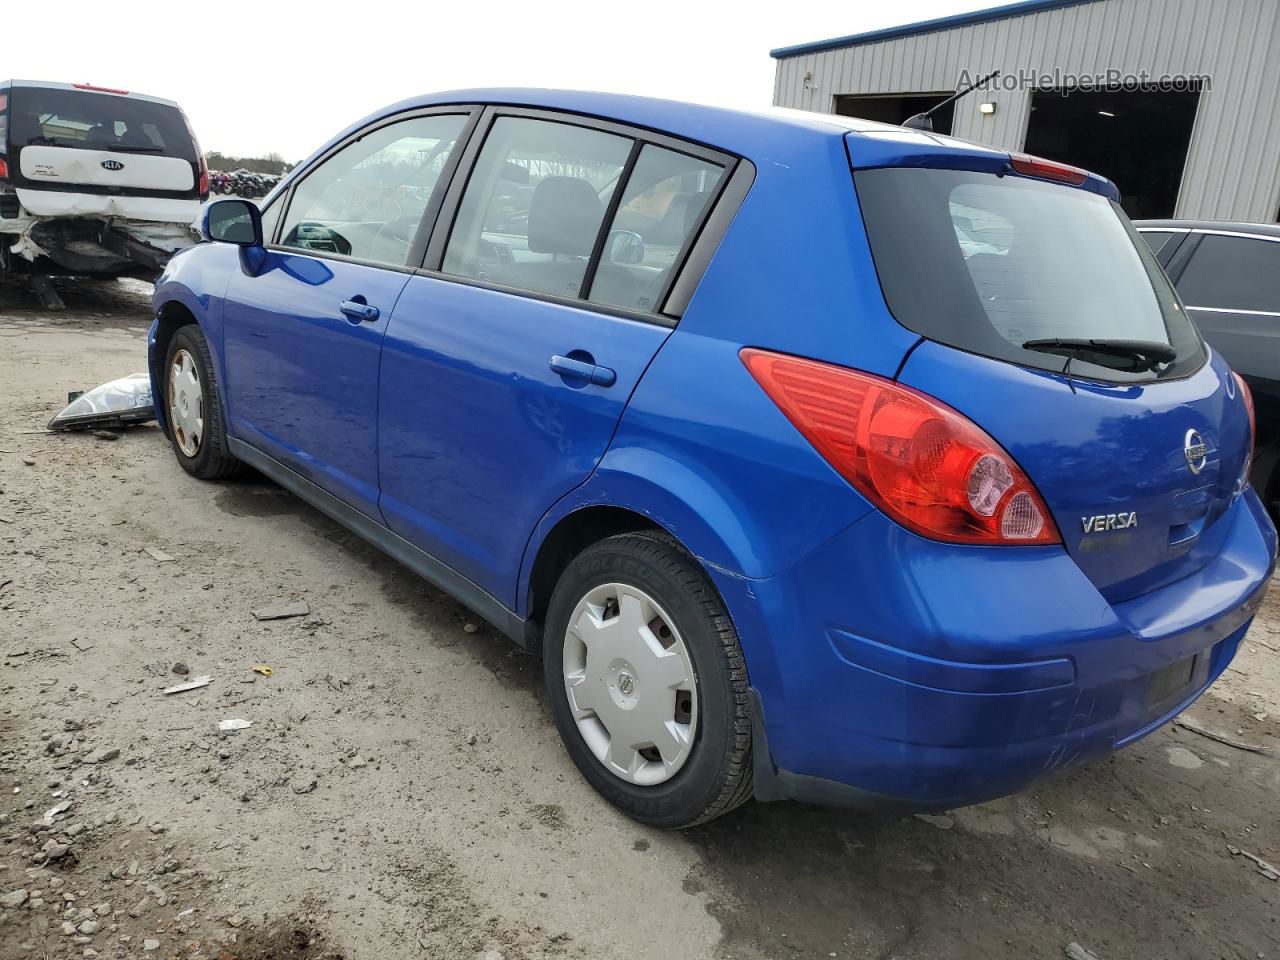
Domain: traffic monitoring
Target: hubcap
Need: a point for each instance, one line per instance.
(631, 684)
(186, 403)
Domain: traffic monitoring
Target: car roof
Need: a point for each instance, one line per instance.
(1221, 226)
(733, 129)
(86, 88)
(758, 134)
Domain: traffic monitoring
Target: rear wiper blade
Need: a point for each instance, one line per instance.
(121, 148)
(1151, 353)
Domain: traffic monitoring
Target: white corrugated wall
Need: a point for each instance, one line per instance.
(1233, 164)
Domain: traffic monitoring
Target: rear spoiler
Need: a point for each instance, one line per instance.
(871, 149)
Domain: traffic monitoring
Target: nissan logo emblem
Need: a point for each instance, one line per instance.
(112, 165)
(1195, 450)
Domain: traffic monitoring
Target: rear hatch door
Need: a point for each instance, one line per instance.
(1135, 458)
(84, 141)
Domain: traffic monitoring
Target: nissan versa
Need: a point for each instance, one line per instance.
(819, 458)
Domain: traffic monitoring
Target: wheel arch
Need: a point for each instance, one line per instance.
(613, 502)
(170, 316)
(568, 536)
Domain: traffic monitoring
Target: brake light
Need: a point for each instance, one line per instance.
(90, 86)
(202, 184)
(922, 463)
(1247, 395)
(1030, 166)
(4, 169)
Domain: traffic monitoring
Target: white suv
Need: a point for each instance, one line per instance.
(94, 181)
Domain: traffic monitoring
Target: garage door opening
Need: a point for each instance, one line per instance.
(1138, 139)
(895, 109)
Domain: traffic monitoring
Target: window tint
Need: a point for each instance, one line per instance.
(367, 200)
(1233, 273)
(534, 205)
(662, 204)
(1157, 240)
(44, 116)
(990, 263)
(269, 218)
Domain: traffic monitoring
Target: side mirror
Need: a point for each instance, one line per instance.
(625, 247)
(232, 221)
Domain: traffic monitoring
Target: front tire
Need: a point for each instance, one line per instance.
(647, 682)
(193, 408)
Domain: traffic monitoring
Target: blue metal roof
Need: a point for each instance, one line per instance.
(1020, 9)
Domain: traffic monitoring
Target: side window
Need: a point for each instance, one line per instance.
(367, 200)
(662, 204)
(1233, 273)
(1156, 239)
(270, 217)
(534, 205)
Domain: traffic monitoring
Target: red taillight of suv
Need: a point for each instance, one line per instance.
(922, 463)
(202, 183)
(4, 169)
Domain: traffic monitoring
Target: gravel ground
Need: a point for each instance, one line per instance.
(401, 792)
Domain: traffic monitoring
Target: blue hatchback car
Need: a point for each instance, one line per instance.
(818, 458)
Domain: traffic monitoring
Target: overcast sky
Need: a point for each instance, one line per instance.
(257, 77)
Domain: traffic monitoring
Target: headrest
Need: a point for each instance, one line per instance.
(564, 217)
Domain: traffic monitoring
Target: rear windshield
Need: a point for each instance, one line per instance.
(988, 263)
(42, 116)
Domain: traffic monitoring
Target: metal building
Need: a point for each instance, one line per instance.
(1177, 101)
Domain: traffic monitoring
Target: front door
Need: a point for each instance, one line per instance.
(303, 333)
(505, 372)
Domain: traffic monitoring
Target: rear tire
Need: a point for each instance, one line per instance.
(702, 771)
(193, 408)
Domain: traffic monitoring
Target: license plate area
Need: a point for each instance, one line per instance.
(1168, 682)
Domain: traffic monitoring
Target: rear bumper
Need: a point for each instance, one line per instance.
(894, 671)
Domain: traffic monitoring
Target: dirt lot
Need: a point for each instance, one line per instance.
(402, 794)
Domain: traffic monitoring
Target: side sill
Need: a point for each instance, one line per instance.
(389, 542)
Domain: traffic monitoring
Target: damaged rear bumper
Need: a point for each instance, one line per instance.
(93, 242)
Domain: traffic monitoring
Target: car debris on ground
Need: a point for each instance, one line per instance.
(195, 684)
(283, 611)
(1266, 869)
(123, 402)
(1187, 723)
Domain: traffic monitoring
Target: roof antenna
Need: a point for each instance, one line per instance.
(924, 121)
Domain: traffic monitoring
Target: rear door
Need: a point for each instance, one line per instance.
(89, 140)
(1136, 462)
(510, 358)
(303, 334)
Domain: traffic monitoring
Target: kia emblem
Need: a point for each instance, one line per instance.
(112, 165)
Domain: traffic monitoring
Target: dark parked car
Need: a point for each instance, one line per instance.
(1229, 277)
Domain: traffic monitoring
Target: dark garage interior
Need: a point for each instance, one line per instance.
(1138, 139)
(895, 109)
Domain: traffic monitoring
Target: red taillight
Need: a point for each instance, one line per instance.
(90, 86)
(4, 169)
(918, 460)
(1247, 395)
(202, 184)
(1030, 166)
